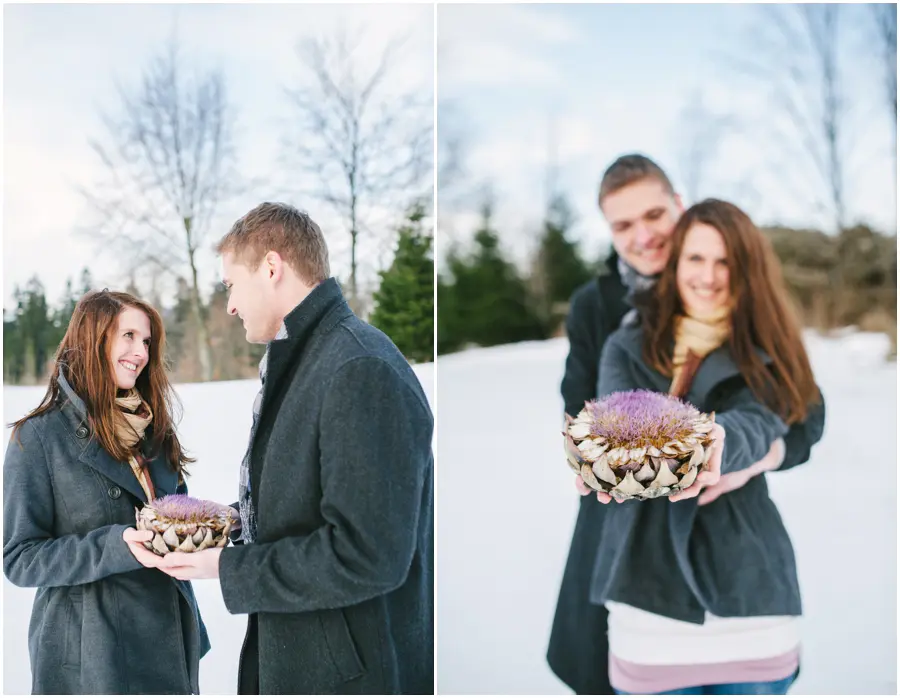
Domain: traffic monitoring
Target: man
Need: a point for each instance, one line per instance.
(641, 207)
(336, 566)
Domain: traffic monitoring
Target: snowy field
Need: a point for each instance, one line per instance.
(215, 427)
(505, 518)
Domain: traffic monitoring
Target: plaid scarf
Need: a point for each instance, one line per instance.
(636, 283)
(245, 502)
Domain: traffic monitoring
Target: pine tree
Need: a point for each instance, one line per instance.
(63, 314)
(87, 281)
(491, 303)
(36, 327)
(558, 267)
(13, 341)
(404, 302)
(450, 332)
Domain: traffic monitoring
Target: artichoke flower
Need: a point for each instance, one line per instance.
(638, 444)
(183, 524)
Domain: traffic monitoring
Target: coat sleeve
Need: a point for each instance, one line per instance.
(375, 445)
(32, 557)
(750, 428)
(801, 437)
(579, 382)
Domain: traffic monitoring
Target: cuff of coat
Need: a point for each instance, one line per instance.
(234, 584)
(117, 556)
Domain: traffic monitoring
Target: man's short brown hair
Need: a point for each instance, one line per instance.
(283, 229)
(629, 169)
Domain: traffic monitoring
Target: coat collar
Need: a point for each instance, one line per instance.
(321, 310)
(74, 413)
(718, 366)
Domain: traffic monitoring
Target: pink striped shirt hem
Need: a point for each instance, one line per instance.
(646, 678)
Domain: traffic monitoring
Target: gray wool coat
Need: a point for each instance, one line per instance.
(732, 557)
(338, 584)
(101, 622)
(578, 644)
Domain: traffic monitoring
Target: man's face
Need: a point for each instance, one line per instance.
(251, 296)
(641, 217)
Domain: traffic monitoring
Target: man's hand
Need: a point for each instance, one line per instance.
(185, 566)
(732, 481)
(713, 473)
(134, 539)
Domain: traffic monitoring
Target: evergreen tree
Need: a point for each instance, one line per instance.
(13, 341)
(450, 334)
(492, 303)
(404, 302)
(87, 281)
(36, 327)
(63, 314)
(558, 267)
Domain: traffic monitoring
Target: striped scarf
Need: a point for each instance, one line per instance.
(245, 502)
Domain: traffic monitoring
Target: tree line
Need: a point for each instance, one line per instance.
(485, 299)
(33, 326)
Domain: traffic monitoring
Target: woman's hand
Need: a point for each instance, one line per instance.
(733, 481)
(584, 490)
(708, 477)
(135, 539)
(713, 473)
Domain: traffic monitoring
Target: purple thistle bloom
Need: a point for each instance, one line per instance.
(181, 507)
(638, 418)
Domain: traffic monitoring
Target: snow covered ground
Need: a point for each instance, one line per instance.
(216, 424)
(505, 518)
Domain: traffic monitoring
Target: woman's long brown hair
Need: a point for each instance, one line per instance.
(762, 315)
(83, 357)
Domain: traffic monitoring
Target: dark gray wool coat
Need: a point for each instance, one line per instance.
(732, 557)
(339, 581)
(101, 622)
(578, 647)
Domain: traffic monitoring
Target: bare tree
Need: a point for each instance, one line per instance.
(796, 57)
(884, 24)
(700, 132)
(363, 144)
(168, 161)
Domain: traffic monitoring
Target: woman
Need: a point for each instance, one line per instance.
(101, 444)
(705, 600)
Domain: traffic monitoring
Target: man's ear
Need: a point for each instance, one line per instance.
(679, 204)
(274, 265)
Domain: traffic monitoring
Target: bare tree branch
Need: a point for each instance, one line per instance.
(168, 159)
(796, 57)
(884, 25)
(362, 144)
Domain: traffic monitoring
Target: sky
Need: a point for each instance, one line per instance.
(523, 86)
(61, 64)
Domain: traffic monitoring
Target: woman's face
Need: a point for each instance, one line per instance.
(702, 273)
(130, 347)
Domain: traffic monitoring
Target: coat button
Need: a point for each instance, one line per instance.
(114, 492)
(81, 432)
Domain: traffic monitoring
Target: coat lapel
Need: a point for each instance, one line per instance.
(165, 480)
(93, 455)
(718, 366)
(323, 308)
(320, 311)
(120, 473)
